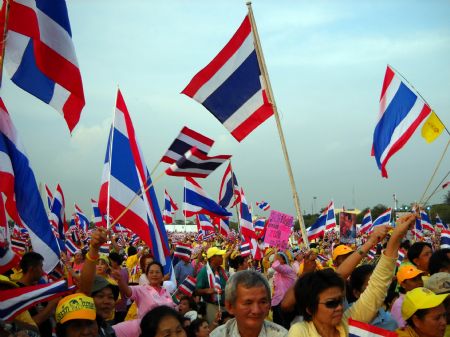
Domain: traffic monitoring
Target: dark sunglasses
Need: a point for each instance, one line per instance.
(333, 304)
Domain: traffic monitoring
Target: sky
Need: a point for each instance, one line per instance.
(326, 61)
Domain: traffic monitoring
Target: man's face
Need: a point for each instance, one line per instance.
(251, 307)
(217, 260)
(37, 272)
(424, 258)
(104, 303)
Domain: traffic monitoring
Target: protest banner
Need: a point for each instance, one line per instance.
(279, 228)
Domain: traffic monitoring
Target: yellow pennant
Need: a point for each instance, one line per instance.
(432, 128)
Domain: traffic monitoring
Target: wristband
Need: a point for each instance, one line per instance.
(89, 258)
(360, 252)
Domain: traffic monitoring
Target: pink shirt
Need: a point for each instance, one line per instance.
(396, 311)
(283, 279)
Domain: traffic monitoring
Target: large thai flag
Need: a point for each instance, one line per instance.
(40, 55)
(229, 187)
(230, 85)
(98, 219)
(331, 217)
(15, 301)
(195, 163)
(401, 112)
(445, 239)
(383, 219)
(186, 140)
(317, 229)
(360, 329)
(425, 221)
(366, 222)
(222, 225)
(83, 221)
(23, 201)
(57, 215)
(170, 207)
(197, 201)
(8, 259)
(204, 223)
(125, 177)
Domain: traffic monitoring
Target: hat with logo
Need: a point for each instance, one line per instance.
(407, 272)
(75, 306)
(420, 298)
(341, 250)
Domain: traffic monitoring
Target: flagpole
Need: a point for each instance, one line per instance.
(435, 190)
(108, 220)
(5, 32)
(271, 98)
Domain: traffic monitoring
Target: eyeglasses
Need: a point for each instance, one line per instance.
(333, 304)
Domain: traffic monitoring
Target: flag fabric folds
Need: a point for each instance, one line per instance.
(331, 217)
(8, 258)
(360, 329)
(187, 287)
(432, 128)
(439, 224)
(40, 55)
(83, 221)
(98, 219)
(195, 163)
(197, 201)
(264, 205)
(401, 112)
(126, 178)
(425, 221)
(317, 229)
(182, 250)
(366, 224)
(170, 207)
(186, 140)
(245, 249)
(57, 215)
(445, 239)
(228, 188)
(383, 219)
(230, 86)
(222, 225)
(23, 202)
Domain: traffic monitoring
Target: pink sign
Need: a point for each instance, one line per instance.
(279, 228)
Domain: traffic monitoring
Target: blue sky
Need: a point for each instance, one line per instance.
(326, 61)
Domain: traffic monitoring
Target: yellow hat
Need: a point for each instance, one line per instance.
(420, 298)
(407, 272)
(75, 306)
(213, 251)
(341, 250)
(7, 281)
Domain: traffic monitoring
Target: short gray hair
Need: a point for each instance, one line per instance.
(247, 279)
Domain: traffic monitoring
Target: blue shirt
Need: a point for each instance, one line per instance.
(182, 271)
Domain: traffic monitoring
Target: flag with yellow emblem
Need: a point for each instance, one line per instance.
(432, 128)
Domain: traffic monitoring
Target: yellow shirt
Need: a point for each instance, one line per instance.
(130, 263)
(364, 309)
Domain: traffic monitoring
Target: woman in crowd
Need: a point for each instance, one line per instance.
(162, 321)
(198, 328)
(237, 262)
(146, 297)
(320, 295)
(144, 261)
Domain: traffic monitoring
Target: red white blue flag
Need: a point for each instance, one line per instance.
(317, 229)
(222, 225)
(366, 224)
(360, 329)
(383, 219)
(40, 55)
(83, 221)
(402, 110)
(445, 239)
(23, 200)
(8, 258)
(57, 214)
(331, 217)
(170, 207)
(263, 205)
(204, 223)
(228, 188)
(188, 286)
(99, 220)
(125, 177)
(230, 86)
(425, 221)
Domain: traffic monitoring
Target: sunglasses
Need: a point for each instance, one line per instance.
(333, 304)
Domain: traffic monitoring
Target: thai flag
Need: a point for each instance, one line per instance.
(183, 250)
(222, 225)
(360, 329)
(99, 221)
(204, 223)
(331, 218)
(199, 236)
(246, 224)
(49, 194)
(418, 230)
(8, 259)
(264, 205)
(401, 112)
(383, 219)
(259, 224)
(245, 249)
(14, 301)
(445, 239)
(23, 201)
(229, 187)
(82, 218)
(187, 287)
(230, 85)
(170, 207)
(401, 256)
(71, 246)
(208, 235)
(40, 55)
(126, 177)
(118, 228)
(57, 214)
(439, 224)
(134, 239)
(425, 221)
(197, 201)
(195, 163)
(318, 228)
(366, 224)
(322, 258)
(186, 140)
(371, 254)
(104, 248)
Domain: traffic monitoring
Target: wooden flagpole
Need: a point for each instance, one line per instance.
(265, 76)
(3, 42)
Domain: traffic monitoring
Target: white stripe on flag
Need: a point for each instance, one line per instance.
(244, 111)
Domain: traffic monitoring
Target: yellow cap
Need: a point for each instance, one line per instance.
(341, 250)
(75, 306)
(420, 298)
(407, 272)
(213, 251)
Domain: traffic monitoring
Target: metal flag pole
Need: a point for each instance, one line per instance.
(271, 98)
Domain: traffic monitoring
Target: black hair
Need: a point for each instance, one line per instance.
(420, 314)
(152, 319)
(357, 279)
(153, 263)
(116, 257)
(236, 262)
(131, 251)
(195, 325)
(309, 286)
(405, 244)
(29, 260)
(416, 249)
(192, 304)
(439, 260)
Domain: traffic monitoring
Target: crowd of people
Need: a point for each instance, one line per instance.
(217, 290)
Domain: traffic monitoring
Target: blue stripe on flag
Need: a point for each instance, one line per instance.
(57, 11)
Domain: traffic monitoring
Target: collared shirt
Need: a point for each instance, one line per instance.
(183, 270)
(230, 329)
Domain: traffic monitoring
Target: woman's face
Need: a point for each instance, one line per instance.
(433, 323)
(330, 308)
(170, 327)
(183, 307)
(203, 330)
(81, 328)
(104, 303)
(154, 275)
(101, 267)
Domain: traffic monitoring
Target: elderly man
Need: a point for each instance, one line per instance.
(248, 299)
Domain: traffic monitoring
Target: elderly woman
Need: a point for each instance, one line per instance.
(320, 295)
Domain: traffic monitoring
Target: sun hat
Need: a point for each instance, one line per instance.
(75, 306)
(213, 251)
(420, 298)
(438, 283)
(407, 272)
(341, 250)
